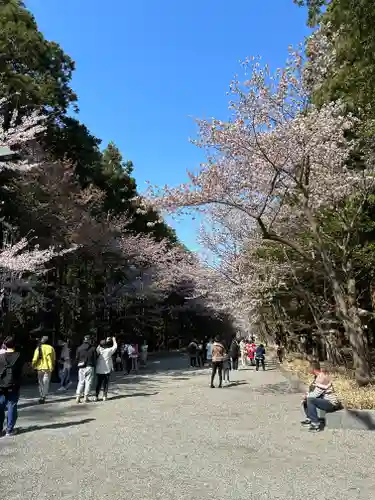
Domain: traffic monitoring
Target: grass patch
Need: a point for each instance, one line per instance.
(351, 396)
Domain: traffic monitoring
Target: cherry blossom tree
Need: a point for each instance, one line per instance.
(279, 161)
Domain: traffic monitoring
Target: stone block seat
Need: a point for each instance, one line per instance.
(349, 419)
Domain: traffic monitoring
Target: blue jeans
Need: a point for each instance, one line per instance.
(313, 404)
(9, 401)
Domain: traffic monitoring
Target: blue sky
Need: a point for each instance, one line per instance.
(145, 68)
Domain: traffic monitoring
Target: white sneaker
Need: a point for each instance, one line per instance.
(78, 399)
(86, 399)
(95, 399)
(61, 389)
(104, 398)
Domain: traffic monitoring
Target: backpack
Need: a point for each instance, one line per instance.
(6, 373)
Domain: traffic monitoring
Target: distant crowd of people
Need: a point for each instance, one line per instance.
(93, 362)
(96, 362)
(223, 359)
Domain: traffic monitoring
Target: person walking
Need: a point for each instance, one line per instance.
(104, 365)
(66, 366)
(259, 357)
(86, 362)
(44, 362)
(11, 366)
(218, 354)
(234, 352)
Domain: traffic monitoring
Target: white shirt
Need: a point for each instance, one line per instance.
(104, 363)
(242, 346)
(209, 350)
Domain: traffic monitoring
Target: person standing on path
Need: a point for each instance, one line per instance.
(11, 365)
(218, 354)
(86, 362)
(234, 352)
(280, 352)
(243, 353)
(44, 362)
(226, 369)
(144, 352)
(134, 357)
(259, 357)
(200, 354)
(104, 365)
(209, 352)
(193, 352)
(66, 365)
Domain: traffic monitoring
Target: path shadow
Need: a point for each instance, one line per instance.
(364, 418)
(28, 404)
(57, 425)
(134, 395)
(279, 388)
(236, 383)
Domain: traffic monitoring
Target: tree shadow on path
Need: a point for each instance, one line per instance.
(134, 395)
(28, 404)
(235, 383)
(57, 425)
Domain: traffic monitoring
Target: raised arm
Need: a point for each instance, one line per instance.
(114, 347)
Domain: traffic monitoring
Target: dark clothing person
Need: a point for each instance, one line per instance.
(200, 356)
(259, 357)
(11, 366)
(102, 381)
(280, 353)
(234, 353)
(258, 362)
(217, 366)
(86, 361)
(86, 355)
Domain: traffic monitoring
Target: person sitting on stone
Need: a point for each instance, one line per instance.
(321, 396)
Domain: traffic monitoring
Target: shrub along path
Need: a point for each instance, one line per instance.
(167, 435)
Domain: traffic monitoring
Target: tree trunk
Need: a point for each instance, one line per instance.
(354, 330)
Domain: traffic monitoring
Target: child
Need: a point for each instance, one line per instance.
(226, 368)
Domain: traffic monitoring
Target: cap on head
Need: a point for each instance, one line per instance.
(87, 338)
(44, 339)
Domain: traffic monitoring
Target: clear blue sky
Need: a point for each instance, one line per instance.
(144, 68)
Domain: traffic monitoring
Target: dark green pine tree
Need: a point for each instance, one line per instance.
(34, 72)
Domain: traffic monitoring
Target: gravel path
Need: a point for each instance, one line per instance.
(167, 435)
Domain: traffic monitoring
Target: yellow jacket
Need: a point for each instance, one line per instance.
(47, 361)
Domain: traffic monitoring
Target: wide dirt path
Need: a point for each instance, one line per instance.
(167, 435)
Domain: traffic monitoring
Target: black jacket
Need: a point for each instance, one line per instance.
(86, 353)
(234, 350)
(14, 361)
